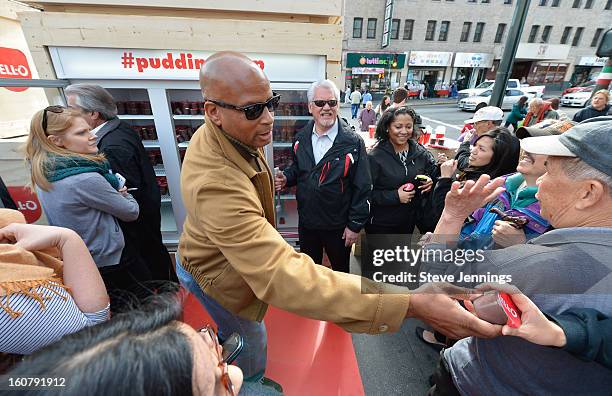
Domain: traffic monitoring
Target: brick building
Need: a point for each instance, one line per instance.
(463, 40)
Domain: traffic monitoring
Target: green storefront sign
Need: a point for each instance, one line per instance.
(387, 61)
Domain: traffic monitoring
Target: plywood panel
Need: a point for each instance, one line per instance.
(121, 31)
(295, 7)
(334, 73)
(183, 13)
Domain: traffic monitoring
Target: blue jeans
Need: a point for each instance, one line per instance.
(355, 109)
(252, 359)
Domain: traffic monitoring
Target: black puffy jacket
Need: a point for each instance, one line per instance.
(334, 193)
(388, 174)
(590, 112)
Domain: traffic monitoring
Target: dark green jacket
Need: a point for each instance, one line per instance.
(517, 114)
(588, 333)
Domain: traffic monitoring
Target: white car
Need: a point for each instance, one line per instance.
(475, 103)
(513, 83)
(579, 99)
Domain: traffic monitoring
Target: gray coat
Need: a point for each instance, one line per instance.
(88, 204)
(562, 269)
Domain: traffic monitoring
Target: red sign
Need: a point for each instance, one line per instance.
(184, 61)
(14, 64)
(27, 202)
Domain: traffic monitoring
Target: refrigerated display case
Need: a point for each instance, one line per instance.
(164, 107)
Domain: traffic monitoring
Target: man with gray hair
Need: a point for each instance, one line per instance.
(127, 156)
(331, 170)
(566, 268)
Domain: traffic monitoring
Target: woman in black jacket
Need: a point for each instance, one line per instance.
(397, 159)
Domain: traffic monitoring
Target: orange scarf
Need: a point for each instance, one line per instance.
(543, 109)
(24, 272)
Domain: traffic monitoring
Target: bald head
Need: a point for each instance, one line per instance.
(235, 80)
(226, 75)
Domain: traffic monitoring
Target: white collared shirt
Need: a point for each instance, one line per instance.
(96, 129)
(322, 143)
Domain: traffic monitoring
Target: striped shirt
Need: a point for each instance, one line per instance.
(37, 326)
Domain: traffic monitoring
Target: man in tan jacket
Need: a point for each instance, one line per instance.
(233, 259)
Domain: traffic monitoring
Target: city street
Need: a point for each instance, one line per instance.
(446, 114)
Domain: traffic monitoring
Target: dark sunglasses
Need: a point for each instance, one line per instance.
(52, 109)
(252, 111)
(322, 103)
(225, 378)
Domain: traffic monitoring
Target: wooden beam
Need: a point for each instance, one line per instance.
(294, 7)
(43, 29)
(182, 13)
(9, 9)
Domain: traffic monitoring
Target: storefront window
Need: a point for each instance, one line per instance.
(548, 73)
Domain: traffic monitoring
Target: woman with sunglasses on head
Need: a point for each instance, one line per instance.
(147, 351)
(78, 191)
(398, 195)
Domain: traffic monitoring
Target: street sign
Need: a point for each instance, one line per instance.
(386, 36)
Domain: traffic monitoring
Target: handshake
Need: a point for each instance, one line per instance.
(516, 315)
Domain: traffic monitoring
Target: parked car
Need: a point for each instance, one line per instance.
(513, 83)
(475, 103)
(581, 87)
(577, 99)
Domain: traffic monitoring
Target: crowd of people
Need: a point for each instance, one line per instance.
(102, 254)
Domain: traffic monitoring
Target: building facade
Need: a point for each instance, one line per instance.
(440, 41)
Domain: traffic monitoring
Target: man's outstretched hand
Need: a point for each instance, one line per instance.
(437, 304)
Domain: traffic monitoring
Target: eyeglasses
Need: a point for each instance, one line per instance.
(322, 103)
(52, 109)
(252, 111)
(225, 378)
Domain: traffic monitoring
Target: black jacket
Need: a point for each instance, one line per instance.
(463, 155)
(588, 333)
(334, 193)
(442, 188)
(590, 112)
(5, 197)
(127, 156)
(388, 174)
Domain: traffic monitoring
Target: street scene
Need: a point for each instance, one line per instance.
(323, 197)
(445, 113)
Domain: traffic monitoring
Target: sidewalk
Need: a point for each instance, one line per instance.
(417, 102)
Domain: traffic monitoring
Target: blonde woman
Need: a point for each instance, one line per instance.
(77, 190)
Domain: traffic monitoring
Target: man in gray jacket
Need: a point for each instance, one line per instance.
(568, 267)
